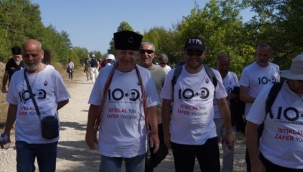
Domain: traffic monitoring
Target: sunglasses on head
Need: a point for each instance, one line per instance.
(148, 51)
(197, 53)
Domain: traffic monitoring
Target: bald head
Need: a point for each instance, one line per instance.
(32, 55)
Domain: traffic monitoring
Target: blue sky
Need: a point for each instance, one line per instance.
(91, 23)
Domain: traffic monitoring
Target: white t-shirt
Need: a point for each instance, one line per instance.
(230, 81)
(282, 138)
(167, 69)
(256, 78)
(122, 130)
(192, 117)
(49, 89)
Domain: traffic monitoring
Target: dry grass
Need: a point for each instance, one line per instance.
(4, 105)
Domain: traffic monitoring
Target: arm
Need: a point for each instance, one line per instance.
(4, 81)
(225, 115)
(166, 120)
(61, 104)
(154, 138)
(91, 135)
(10, 119)
(244, 96)
(251, 132)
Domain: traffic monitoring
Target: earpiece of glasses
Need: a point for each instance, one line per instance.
(148, 51)
(197, 53)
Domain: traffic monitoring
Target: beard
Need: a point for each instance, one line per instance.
(31, 68)
(17, 62)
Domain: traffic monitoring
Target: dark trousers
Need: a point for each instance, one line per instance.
(247, 159)
(207, 155)
(271, 167)
(70, 75)
(156, 158)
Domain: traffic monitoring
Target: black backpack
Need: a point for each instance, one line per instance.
(178, 70)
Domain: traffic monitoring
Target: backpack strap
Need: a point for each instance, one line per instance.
(174, 80)
(211, 75)
(272, 95)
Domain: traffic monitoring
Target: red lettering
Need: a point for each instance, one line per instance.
(284, 137)
(184, 112)
(112, 116)
(22, 113)
(117, 110)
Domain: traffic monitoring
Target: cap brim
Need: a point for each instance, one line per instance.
(290, 75)
(199, 47)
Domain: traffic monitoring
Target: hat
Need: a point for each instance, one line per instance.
(296, 69)
(127, 40)
(195, 42)
(110, 56)
(16, 50)
(93, 55)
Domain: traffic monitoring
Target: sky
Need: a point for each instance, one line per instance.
(91, 23)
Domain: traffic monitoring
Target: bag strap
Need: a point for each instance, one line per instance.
(177, 72)
(104, 96)
(272, 95)
(31, 93)
(211, 75)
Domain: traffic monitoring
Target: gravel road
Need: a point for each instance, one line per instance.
(73, 154)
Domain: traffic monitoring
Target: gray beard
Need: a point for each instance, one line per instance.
(17, 62)
(31, 68)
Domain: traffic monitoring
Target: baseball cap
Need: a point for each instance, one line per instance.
(194, 42)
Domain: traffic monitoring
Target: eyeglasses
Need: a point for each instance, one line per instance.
(148, 51)
(197, 53)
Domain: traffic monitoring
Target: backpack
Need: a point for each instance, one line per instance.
(272, 95)
(93, 63)
(178, 70)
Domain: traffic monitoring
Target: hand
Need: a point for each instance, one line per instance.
(3, 90)
(154, 141)
(91, 139)
(257, 166)
(230, 139)
(167, 140)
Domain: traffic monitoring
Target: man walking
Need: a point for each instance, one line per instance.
(257, 76)
(147, 54)
(14, 64)
(123, 105)
(281, 148)
(193, 131)
(50, 95)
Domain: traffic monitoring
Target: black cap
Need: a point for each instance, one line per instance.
(127, 40)
(16, 50)
(194, 42)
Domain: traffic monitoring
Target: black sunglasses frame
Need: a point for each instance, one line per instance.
(191, 52)
(142, 51)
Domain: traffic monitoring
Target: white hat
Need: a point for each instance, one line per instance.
(296, 69)
(110, 56)
(93, 55)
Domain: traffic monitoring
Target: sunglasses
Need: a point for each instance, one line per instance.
(147, 51)
(301, 81)
(197, 53)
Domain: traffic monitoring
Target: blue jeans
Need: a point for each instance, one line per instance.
(113, 164)
(46, 156)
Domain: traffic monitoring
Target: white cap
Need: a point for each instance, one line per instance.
(93, 55)
(110, 56)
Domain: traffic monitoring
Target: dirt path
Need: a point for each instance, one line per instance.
(73, 154)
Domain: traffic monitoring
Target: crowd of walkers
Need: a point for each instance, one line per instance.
(140, 111)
